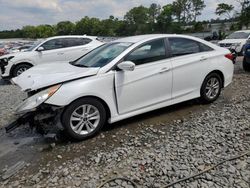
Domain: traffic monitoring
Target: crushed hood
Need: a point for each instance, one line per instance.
(49, 74)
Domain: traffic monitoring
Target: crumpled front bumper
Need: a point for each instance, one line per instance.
(44, 114)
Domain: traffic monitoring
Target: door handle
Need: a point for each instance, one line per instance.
(165, 69)
(61, 53)
(203, 58)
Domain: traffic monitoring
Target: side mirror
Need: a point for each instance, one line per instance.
(40, 49)
(126, 66)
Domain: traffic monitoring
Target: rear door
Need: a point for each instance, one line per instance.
(189, 59)
(151, 81)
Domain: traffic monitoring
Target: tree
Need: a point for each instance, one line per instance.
(29, 31)
(138, 20)
(44, 31)
(224, 9)
(154, 11)
(182, 10)
(165, 19)
(244, 17)
(197, 7)
(65, 28)
(88, 26)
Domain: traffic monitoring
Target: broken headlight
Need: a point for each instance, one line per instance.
(36, 100)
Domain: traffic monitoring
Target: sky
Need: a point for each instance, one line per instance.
(18, 13)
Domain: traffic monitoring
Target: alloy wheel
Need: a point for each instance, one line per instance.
(212, 88)
(85, 119)
(21, 70)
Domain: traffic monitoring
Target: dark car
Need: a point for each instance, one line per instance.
(246, 60)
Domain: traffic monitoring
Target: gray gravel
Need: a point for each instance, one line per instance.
(10, 97)
(153, 155)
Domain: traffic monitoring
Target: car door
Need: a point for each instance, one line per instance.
(189, 60)
(151, 81)
(54, 51)
(76, 47)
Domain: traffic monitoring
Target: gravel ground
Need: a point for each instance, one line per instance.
(152, 155)
(10, 97)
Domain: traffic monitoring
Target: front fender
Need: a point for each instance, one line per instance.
(99, 86)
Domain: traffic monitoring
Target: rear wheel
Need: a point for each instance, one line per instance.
(84, 118)
(246, 66)
(19, 69)
(211, 88)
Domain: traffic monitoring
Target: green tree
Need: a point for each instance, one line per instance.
(165, 19)
(182, 10)
(153, 11)
(244, 17)
(44, 31)
(138, 20)
(197, 7)
(65, 28)
(88, 26)
(29, 31)
(224, 9)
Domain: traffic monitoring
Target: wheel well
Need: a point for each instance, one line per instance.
(100, 100)
(220, 74)
(14, 66)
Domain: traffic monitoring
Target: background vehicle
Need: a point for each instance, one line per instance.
(122, 79)
(55, 49)
(236, 41)
(246, 59)
(2, 50)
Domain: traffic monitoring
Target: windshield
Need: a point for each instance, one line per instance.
(37, 43)
(103, 55)
(238, 35)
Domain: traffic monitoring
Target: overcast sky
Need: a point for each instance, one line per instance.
(17, 13)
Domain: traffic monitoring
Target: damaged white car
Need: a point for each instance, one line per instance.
(122, 79)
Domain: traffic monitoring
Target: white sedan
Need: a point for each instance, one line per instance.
(121, 79)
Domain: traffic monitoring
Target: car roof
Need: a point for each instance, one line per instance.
(139, 38)
(73, 36)
(245, 31)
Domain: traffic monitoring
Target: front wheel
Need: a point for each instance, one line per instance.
(211, 88)
(19, 69)
(246, 65)
(84, 118)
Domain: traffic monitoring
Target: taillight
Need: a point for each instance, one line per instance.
(230, 56)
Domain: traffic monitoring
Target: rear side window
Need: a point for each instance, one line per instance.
(148, 52)
(182, 46)
(205, 48)
(53, 44)
(71, 42)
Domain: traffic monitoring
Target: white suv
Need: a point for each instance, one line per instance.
(54, 49)
(236, 41)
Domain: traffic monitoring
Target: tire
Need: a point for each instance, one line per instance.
(211, 88)
(78, 119)
(20, 68)
(246, 66)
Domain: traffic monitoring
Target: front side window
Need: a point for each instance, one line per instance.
(148, 52)
(53, 44)
(102, 55)
(182, 46)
